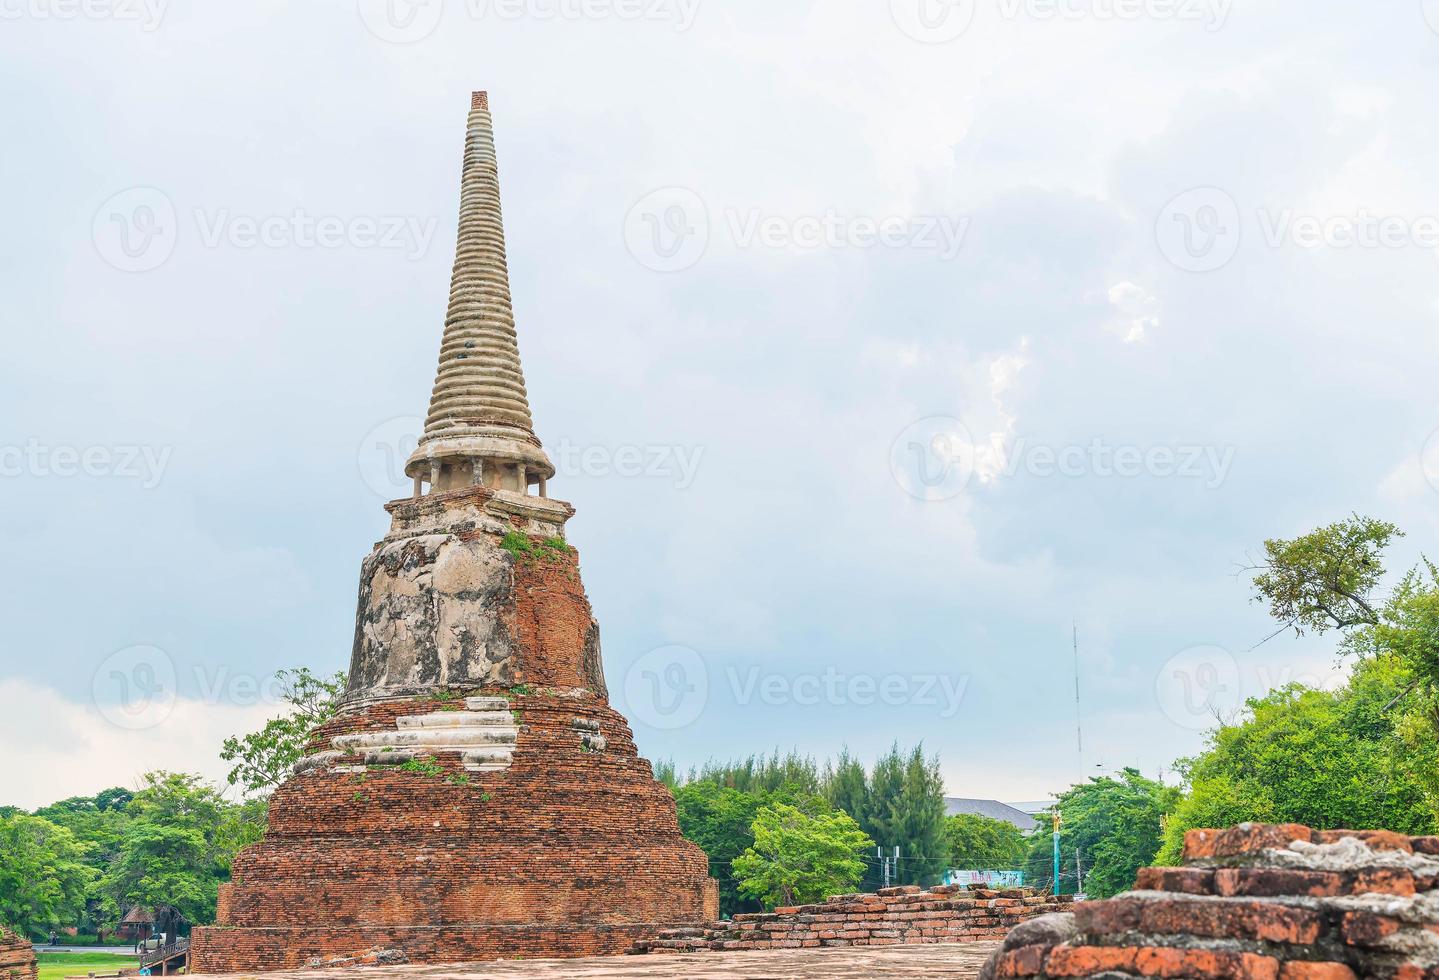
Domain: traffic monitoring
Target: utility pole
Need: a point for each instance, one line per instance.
(1056, 850)
(1078, 873)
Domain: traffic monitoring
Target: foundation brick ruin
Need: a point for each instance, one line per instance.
(17, 957)
(476, 795)
(1262, 901)
(890, 917)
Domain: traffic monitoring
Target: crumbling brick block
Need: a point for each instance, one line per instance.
(17, 957)
(1268, 902)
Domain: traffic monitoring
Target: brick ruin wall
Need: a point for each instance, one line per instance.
(573, 849)
(17, 957)
(889, 917)
(1261, 901)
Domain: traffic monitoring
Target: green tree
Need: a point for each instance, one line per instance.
(114, 798)
(1115, 827)
(98, 821)
(978, 843)
(1330, 579)
(1327, 759)
(43, 875)
(760, 775)
(176, 849)
(241, 824)
(718, 819)
(798, 858)
(263, 760)
(906, 808)
(1325, 579)
(903, 801)
(846, 786)
(664, 770)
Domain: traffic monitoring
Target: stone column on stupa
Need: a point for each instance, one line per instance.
(476, 796)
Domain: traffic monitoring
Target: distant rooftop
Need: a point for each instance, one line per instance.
(993, 809)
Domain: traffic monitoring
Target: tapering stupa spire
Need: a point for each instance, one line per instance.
(479, 431)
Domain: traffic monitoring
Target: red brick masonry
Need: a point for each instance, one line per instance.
(572, 851)
(17, 957)
(1262, 901)
(889, 917)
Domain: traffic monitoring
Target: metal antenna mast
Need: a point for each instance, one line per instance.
(1078, 722)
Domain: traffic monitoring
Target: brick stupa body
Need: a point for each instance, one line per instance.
(476, 796)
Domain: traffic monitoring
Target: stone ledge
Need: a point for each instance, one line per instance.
(484, 736)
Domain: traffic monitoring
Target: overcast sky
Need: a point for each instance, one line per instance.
(877, 344)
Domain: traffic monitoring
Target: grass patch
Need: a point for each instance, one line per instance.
(518, 544)
(426, 766)
(523, 548)
(55, 966)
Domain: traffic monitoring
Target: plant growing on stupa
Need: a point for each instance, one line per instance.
(262, 760)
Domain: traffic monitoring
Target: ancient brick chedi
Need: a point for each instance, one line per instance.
(1260, 901)
(476, 796)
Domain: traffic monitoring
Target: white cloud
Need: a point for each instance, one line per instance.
(993, 424)
(57, 748)
(1136, 312)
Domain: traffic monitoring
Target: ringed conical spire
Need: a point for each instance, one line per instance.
(479, 431)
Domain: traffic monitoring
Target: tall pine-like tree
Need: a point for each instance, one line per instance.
(847, 787)
(902, 805)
